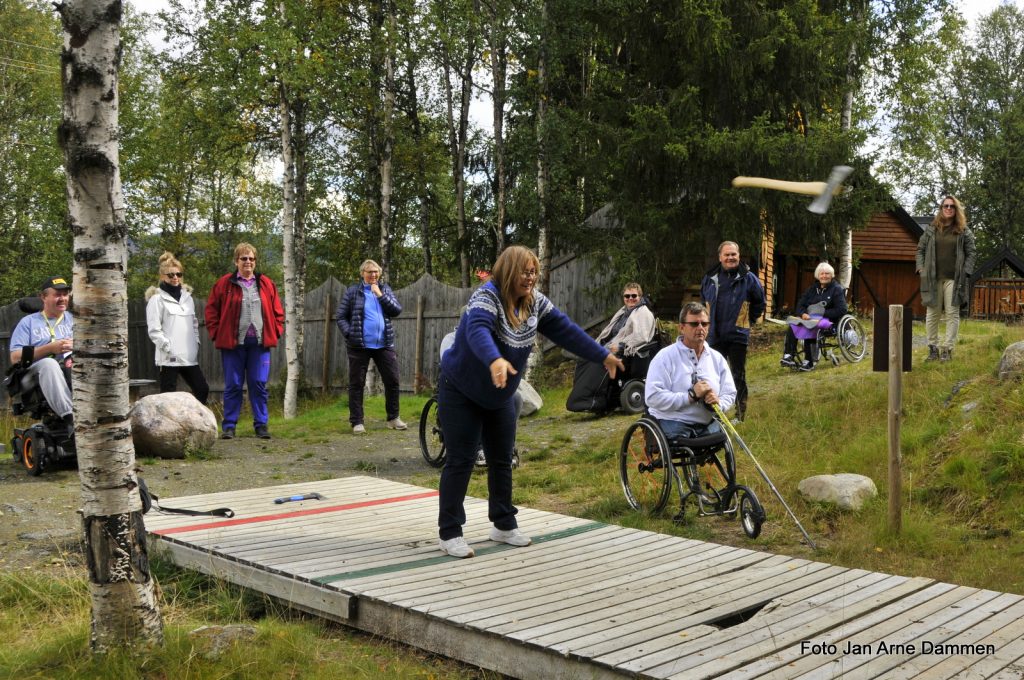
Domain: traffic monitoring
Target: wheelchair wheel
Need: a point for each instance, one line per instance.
(853, 341)
(645, 467)
(33, 449)
(16, 444)
(751, 512)
(632, 397)
(431, 439)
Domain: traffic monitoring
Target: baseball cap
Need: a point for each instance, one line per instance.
(55, 282)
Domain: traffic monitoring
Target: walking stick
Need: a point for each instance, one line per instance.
(736, 435)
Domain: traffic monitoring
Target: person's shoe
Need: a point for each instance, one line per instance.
(262, 432)
(227, 433)
(788, 361)
(481, 459)
(933, 353)
(397, 424)
(456, 547)
(807, 366)
(510, 536)
(359, 428)
(945, 354)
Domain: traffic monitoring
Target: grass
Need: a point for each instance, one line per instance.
(963, 499)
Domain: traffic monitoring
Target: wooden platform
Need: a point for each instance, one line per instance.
(588, 600)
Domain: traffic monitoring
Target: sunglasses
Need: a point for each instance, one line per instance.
(949, 206)
(174, 275)
(247, 258)
(529, 274)
(694, 324)
(630, 296)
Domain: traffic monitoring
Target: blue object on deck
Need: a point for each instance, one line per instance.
(301, 497)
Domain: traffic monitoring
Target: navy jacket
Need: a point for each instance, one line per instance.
(833, 296)
(736, 301)
(350, 314)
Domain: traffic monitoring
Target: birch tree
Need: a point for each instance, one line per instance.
(124, 605)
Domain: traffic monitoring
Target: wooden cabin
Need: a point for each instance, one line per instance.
(884, 253)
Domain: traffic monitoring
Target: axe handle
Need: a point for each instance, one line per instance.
(808, 188)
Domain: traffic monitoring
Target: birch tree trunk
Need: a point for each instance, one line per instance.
(124, 605)
(292, 302)
(388, 141)
(499, 66)
(844, 273)
(543, 232)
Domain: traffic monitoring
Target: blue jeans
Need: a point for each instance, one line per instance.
(463, 424)
(249, 362)
(674, 429)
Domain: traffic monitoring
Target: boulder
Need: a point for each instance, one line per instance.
(846, 490)
(171, 424)
(213, 641)
(531, 399)
(1011, 365)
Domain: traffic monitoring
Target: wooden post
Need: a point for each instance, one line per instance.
(326, 373)
(417, 384)
(895, 406)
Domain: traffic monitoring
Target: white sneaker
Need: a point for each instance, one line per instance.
(511, 536)
(397, 424)
(481, 459)
(358, 429)
(456, 547)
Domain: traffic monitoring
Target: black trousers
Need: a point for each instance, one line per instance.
(386, 362)
(736, 354)
(193, 376)
(810, 346)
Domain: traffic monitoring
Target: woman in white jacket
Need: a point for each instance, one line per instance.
(632, 327)
(174, 329)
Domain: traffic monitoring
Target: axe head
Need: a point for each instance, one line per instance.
(819, 206)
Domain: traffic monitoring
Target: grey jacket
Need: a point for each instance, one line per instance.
(926, 268)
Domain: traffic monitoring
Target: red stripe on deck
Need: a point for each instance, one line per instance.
(297, 513)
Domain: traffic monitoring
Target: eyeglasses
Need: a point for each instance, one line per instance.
(630, 296)
(949, 206)
(372, 272)
(247, 258)
(694, 324)
(174, 275)
(529, 274)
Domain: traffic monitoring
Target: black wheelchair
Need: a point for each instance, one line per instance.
(702, 468)
(46, 443)
(432, 439)
(593, 391)
(846, 339)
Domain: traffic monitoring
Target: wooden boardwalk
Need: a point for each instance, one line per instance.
(588, 600)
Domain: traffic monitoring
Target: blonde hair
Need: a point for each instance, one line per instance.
(168, 262)
(633, 285)
(243, 248)
(958, 223)
(510, 265)
(368, 265)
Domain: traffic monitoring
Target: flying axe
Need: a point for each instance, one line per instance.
(823, 191)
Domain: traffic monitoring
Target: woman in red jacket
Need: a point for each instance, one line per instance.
(245, 319)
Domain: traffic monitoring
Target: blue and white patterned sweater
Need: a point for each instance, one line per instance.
(485, 334)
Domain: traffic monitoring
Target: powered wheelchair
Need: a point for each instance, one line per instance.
(49, 441)
(701, 468)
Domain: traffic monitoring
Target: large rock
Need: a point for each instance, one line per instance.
(531, 399)
(171, 424)
(848, 491)
(1011, 365)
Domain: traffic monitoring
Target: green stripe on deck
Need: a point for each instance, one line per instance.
(430, 561)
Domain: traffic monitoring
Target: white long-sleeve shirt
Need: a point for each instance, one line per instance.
(674, 371)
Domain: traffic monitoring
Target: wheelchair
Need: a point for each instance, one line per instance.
(846, 339)
(432, 439)
(701, 468)
(46, 443)
(593, 391)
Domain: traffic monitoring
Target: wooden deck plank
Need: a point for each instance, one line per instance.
(586, 599)
(792, 616)
(985, 632)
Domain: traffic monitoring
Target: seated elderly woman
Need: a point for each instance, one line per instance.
(632, 326)
(825, 299)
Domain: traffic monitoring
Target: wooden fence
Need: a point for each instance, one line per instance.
(430, 309)
(998, 299)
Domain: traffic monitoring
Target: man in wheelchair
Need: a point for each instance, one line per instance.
(688, 377)
(825, 299)
(41, 347)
